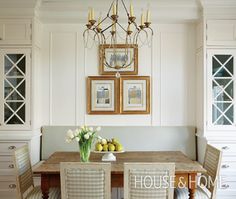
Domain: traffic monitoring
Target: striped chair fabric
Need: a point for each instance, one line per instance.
(24, 177)
(212, 162)
(145, 180)
(85, 180)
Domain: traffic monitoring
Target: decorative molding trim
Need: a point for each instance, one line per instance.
(50, 78)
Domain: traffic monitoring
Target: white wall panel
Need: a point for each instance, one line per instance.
(62, 73)
(169, 61)
(177, 76)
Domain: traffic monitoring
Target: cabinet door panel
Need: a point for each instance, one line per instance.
(221, 32)
(15, 31)
(221, 89)
(15, 98)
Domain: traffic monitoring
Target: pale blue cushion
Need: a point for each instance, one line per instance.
(184, 194)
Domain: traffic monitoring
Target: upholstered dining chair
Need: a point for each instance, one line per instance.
(85, 180)
(207, 187)
(149, 180)
(24, 177)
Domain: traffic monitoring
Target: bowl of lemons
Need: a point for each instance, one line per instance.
(108, 148)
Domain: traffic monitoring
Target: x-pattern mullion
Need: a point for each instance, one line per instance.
(15, 88)
(223, 89)
(223, 113)
(15, 112)
(15, 65)
(223, 66)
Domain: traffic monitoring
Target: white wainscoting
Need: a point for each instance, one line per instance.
(170, 62)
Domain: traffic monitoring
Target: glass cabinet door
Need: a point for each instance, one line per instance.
(222, 89)
(15, 93)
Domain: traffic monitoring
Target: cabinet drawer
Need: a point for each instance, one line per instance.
(8, 186)
(226, 148)
(9, 147)
(228, 182)
(228, 165)
(7, 169)
(7, 178)
(6, 166)
(8, 194)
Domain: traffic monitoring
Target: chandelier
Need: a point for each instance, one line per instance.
(109, 30)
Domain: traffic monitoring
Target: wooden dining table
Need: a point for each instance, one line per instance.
(186, 170)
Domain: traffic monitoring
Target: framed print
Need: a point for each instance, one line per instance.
(120, 55)
(102, 96)
(135, 95)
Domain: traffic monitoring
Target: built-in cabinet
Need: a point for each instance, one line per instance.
(16, 98)
(217, 83)
(15, 89)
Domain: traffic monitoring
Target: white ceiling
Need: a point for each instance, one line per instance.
(76, 10)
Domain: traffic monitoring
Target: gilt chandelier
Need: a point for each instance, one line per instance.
(109, 30)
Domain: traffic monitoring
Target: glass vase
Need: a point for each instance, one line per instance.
(85, 148)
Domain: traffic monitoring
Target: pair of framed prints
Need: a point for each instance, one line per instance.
(124, 95)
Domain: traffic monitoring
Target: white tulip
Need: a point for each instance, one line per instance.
(98, 128)
(77, 139)
(86, 136)
(82, 127)
(99, 137)
(90, 128)
(68, 140)
(77, 132)
(70, 134)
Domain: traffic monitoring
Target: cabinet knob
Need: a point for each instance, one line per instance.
(225, 166)
(224, 186)
(11, 166)
(225, 148)
(12, 186)
(12, 147)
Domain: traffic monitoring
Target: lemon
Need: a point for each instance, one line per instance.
(119, 147)
(112, 147)
(99, 147)
(105, 147)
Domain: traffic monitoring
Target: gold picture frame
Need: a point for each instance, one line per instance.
(103, 95)
(105, 53)
(135, 95)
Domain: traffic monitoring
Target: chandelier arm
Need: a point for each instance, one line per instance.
(135, 24)
(101, 22)
(103, 38)
(125, 8)
(110, 7)
(121, 26)
(108, 27)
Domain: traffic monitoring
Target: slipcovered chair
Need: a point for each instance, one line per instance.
(212, 162)
(24, 177)
(139, 179)
(85, 180)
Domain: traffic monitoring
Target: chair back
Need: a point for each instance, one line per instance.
(24, 174)
(85, 180)
(212, 163)
(149, 180)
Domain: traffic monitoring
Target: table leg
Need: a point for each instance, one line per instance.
(45, 186)
(192, 193)
(192, 185)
